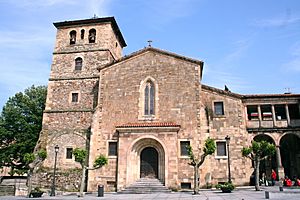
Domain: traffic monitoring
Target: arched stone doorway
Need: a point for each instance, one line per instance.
(149, 163)
(146, 158)
(290, 154)
(270, 163)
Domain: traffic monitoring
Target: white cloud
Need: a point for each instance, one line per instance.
(294, 63)
(99, 7)
(162, 12)
(239, 49)
(281, 21)
(41, 3)
(217, 77)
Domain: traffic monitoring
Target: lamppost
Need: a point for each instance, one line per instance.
(56, 148)
(227, 138)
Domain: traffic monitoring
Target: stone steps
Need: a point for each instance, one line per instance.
(145, 186)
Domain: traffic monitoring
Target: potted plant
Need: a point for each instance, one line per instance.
(36, 192)
(225, 187)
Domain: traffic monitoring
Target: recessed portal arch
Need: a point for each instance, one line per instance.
(137, 153)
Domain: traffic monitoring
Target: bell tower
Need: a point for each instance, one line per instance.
(81, 47)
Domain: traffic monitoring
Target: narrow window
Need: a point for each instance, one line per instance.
(74, 97)
(73, 37)
(82, 34)
(219, 108)
(78, 63)
(92, 36)
(221, 149)
(112, 148)
(184, 148)
(69, 153)
(149, 98)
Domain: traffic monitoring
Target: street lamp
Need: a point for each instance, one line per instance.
(56, 148)
(227, 138)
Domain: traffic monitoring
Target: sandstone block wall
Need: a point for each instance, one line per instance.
(233, 124)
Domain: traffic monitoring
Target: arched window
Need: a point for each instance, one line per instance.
(78, 63)
(73, 37)
(149, 98)
(92, 36)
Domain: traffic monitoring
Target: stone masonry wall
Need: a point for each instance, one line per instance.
(67, 180)
(233, 124)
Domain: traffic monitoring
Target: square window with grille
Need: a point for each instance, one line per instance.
(74, 97)
(69, 153)
(112, 149)
(184, 148)
(221, 149)
(219, 108)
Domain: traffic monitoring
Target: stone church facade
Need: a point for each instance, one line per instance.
(141, 110)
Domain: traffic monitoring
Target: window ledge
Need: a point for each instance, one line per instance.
(184, 157)
(219, 116)
(148, 118)
(112, 157)
(221, 157)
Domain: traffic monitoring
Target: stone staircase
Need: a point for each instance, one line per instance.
(145, 186)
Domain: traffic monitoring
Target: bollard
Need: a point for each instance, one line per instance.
(267, 194)
(100, 190)
(280, 186)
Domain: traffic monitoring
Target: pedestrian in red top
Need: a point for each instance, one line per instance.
(273, 176)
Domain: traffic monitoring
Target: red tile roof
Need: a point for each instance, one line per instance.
(149, 124)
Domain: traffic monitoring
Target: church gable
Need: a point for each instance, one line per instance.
(150, 86)
(155, 51)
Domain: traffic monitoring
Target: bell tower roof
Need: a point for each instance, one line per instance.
(95, 21)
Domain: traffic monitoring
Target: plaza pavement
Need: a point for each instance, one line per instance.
(246, 193)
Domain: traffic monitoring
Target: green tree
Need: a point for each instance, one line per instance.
(20, 125)
(196, 162)
(257, 152)
(82, 158)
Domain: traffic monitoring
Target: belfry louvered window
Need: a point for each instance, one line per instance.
(149, 98)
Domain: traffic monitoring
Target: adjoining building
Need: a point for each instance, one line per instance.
(143, 109)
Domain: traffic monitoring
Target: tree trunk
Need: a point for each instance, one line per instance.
(196, 178)
(82, 181)
(256, 168)
(29, 182)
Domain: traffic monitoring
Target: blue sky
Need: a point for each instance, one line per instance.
(252, 46)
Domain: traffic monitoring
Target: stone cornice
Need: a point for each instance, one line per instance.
(73, 78)
(79, 51)
(132, 130)
(275, 129)
(68, 110)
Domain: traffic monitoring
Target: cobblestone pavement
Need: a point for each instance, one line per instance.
(238, 194)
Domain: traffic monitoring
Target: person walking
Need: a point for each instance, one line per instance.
(273, 176)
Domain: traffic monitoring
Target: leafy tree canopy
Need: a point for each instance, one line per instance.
(259, 150)
(20, 125)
